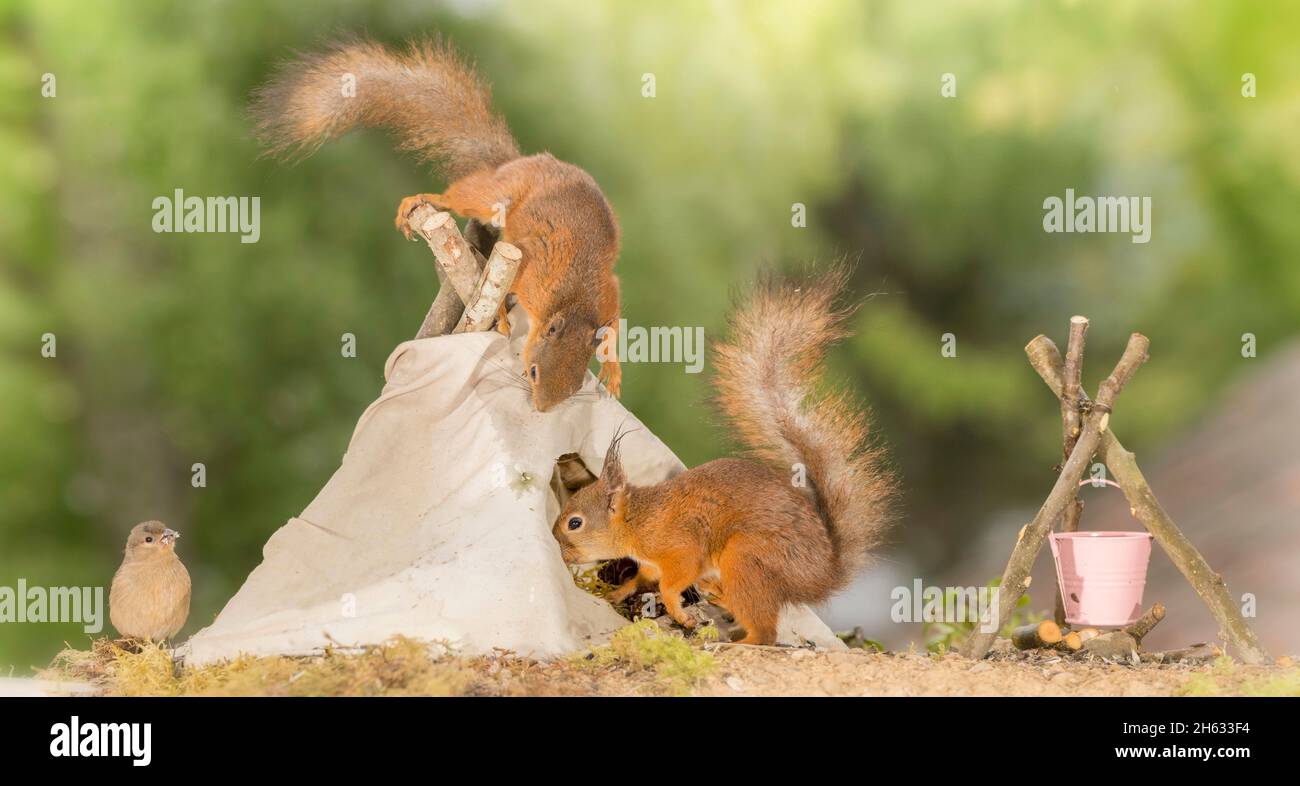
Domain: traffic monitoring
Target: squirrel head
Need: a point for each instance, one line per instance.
(584, 527)
(556, 357)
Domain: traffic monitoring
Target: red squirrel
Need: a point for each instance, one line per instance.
(794, 521)
(435, 104)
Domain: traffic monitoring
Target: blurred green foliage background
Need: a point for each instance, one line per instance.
(183, 348)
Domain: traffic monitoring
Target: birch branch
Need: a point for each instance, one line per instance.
(1070, 418)
(457, 264)
(1071, 424)
(492, 289)
(1143, 625)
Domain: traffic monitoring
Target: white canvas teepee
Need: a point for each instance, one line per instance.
(437, 525)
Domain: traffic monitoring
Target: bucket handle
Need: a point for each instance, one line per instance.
(1100, 482)
(1093, 482)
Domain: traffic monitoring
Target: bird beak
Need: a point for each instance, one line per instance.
(170, 536)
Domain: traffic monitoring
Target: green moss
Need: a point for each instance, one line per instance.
(1224, 677)
(401, 667)
(644, 646)
(707, 634)
(590, 581)
(1200, 684)
(1223, 666)
(1286, 683)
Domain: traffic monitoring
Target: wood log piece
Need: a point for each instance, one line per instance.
(1088, 633)
(1070, 642)
(1036, 635)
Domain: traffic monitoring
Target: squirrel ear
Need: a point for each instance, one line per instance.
(555, 325)
(611, 501)
(612, 473)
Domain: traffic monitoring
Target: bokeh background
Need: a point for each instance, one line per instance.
(183, 348)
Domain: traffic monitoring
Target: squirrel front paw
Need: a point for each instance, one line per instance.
(611, 374)
(683, 618)
(503, 320)
(408, 205)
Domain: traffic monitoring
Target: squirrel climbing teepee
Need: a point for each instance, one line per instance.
(437, 525)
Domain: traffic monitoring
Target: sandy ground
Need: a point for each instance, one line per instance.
(645, 660)
(743, 671)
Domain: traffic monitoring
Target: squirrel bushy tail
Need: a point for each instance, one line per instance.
(767, 379)
(427, 95)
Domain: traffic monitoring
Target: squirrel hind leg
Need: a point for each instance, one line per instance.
(749, 596)
(759, 623)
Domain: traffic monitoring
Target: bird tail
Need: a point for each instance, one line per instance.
(429, 97)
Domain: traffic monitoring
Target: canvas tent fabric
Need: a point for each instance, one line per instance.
(437, 524)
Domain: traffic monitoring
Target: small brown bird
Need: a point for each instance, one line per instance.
(150, 598)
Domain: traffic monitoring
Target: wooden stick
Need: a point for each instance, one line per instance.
(1046, 360)
(457, 264)
(1143, 625)
(1207, 583)
(444, 312)
(1071, 426)
(1071, 422)
(492, 288)
(1193, 653)
(1036, 635)
(1015, 577)
(1135, 354)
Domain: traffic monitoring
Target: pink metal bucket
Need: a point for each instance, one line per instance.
(1102, 575)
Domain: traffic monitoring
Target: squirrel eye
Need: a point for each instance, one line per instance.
(149, 539)
(532, 372)
(575, 522)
